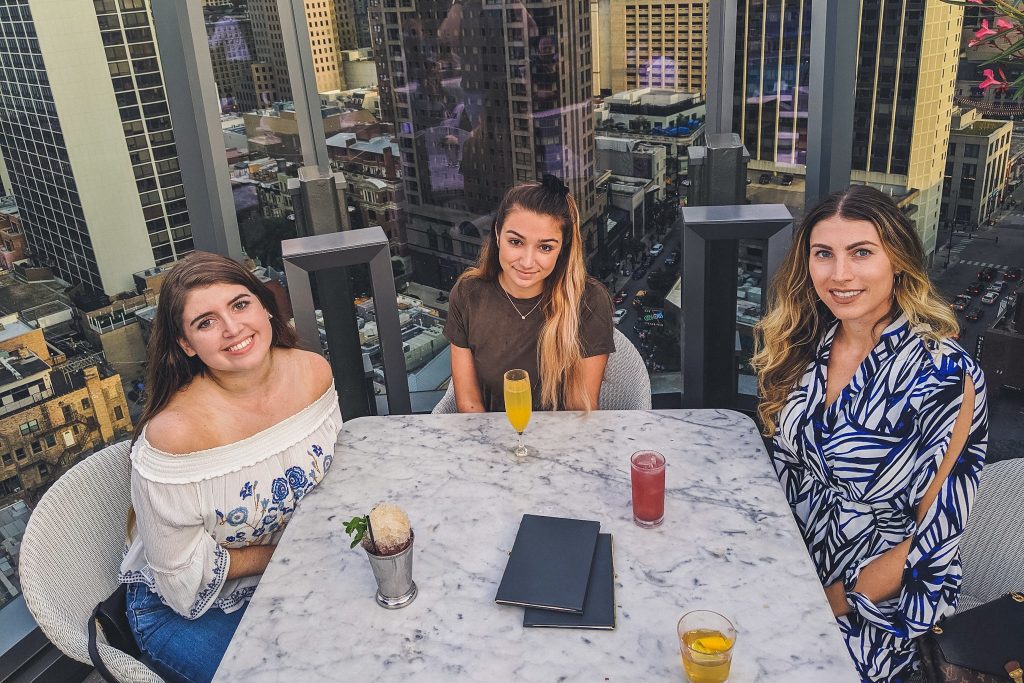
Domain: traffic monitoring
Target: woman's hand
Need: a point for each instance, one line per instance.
(249, 561)
(836, 594)
(468, 397)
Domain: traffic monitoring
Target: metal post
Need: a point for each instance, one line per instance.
(721, 65)
(710, 235)
(831, 97)
(195, 107)
(319, 253)
(302, 77)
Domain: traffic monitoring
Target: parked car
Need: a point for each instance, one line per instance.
(764, 178)
(657, 249)
(990, 298)
(639, 273)
(671, 259)
(442, 297)
(787, 179)
(620, 296)
(974, 288)
(618, 316)
(973, 314)
(1011, 274)
(985, 274)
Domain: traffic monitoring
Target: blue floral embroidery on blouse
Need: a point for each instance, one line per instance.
(260, 515)
(279, 489)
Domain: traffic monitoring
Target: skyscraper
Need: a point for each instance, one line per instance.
(86, 136)
(482, 96)
(906, 73)
(649, 43)
(322, 22)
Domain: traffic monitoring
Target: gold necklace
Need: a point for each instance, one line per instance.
(507, 296)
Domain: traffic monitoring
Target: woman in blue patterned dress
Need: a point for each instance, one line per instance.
(878, 422)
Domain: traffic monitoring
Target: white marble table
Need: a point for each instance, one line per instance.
(728, 543)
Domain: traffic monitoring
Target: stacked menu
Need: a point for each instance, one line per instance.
(561, 570)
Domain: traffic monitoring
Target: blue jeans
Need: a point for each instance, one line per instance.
(178, 649)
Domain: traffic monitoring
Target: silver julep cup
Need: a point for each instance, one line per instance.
(395, 587)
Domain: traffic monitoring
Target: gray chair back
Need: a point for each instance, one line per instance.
(71, 554)
(626, 384)
(990, 548)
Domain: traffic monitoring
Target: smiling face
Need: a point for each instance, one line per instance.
(528, 247)
(226, 326)
(851, 272)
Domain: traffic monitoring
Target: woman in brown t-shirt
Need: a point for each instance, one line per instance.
(529, 304)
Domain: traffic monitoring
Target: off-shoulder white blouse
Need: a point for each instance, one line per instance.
(190, 508)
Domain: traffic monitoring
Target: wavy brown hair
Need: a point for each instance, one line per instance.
(559, 353)
(170, 368)
(787, 337)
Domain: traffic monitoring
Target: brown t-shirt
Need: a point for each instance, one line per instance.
(481, 319)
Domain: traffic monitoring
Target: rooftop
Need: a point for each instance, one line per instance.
(16, 367)
(982, 128)
(16, 295)
(11, 327)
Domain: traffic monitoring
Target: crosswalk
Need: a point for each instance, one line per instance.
(982, 264)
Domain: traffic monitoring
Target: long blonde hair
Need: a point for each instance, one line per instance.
(559, 352)
(787, 337)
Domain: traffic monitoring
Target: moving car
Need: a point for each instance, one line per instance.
(985, 274)
(974, 288)
(787, 179)
(990, 298)
(764, 178)
(973, 314)
(657, 249)
(639, 273)
(1011, 274)
(618, 316)
(961, 302)
(620, 296)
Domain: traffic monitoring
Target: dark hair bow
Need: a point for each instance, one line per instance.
(553, 184)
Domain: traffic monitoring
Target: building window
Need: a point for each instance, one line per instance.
(37, 447)
(19, 453)
(29, 427)
(118, 413)
(971, 151)
(12, 485)
(51, 441)
(85, 404)
(43, 469)
(8, 459)
(69, 413)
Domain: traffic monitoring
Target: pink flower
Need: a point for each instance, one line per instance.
(990, 80)
(984, 31)
(1003, 24)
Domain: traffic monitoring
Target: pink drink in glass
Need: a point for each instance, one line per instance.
(647, 470)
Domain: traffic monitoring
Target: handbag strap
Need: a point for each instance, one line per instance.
(94, 651)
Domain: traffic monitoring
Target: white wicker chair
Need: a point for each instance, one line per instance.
(71, 553)
(626, 384)
(991, 545)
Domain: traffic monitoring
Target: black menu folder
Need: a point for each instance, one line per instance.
(549, 566)
(599, 606)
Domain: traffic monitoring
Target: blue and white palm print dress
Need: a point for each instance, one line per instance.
(855, 471)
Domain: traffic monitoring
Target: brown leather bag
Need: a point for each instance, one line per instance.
(981, 645)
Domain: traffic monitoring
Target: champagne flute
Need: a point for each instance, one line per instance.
(518, 406)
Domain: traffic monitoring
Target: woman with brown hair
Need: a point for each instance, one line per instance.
(240, 424)
(878, 423)
(529, 304)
